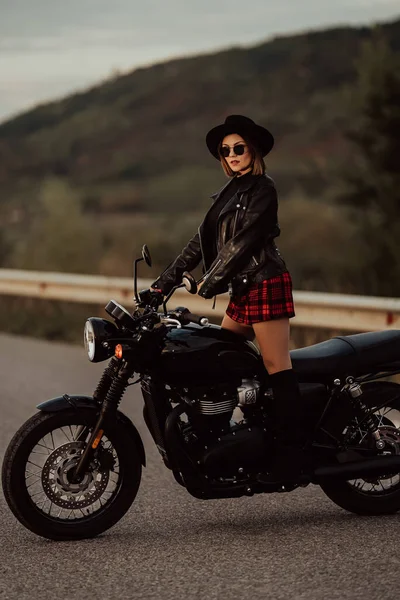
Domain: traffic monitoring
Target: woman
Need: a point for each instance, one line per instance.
(236, 244)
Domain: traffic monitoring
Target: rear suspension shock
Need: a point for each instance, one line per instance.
(354, 391)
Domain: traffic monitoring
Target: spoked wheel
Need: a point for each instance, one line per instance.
(38, 478)
(377, 495)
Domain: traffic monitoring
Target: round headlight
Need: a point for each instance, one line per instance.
(89, 340)
(97, 334)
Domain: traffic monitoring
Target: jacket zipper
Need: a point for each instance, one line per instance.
(236, 215)
(219, 261)
(235, 222)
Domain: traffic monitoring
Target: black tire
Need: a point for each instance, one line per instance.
(345, 494)
(49, 526)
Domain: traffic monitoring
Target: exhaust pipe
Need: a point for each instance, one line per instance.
(358, 469)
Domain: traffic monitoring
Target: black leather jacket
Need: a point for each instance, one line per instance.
(244, 251)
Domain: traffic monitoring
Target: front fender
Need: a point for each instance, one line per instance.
(67, 402)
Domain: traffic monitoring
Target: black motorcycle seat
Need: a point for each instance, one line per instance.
(347, 355)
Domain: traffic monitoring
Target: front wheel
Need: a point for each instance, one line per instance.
(377, 495)
(37, 469)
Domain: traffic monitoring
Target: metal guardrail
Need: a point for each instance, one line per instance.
(313, 309)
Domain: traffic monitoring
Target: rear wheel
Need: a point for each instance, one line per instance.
(378, 495)
(37, 475)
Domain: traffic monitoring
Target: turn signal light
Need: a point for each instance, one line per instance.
(97, 439)
(118, 351)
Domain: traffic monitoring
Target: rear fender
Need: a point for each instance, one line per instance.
(67, 402)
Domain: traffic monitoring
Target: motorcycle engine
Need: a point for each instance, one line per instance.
(219, 444)
(210, 408)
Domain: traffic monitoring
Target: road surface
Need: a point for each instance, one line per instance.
(169, 545)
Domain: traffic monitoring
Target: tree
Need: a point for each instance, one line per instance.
(61, 238)
(372, 185)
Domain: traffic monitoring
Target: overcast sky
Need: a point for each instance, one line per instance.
(50, 48)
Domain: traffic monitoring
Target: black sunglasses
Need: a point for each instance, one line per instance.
(239, 149)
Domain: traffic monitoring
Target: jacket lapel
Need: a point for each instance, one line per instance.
(231, 204)
(218, 194)
(236, 198)
(206, 248)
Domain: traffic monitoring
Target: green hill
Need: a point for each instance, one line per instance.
(86, 180)
(136, 142)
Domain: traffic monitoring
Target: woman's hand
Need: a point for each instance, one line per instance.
(150, 297)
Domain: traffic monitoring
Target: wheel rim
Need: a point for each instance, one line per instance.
(48, 476)
(388, 423)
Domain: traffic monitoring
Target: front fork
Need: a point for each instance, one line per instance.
(101, 391)
(108, 394)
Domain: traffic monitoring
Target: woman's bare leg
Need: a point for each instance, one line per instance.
(246, 330)
(273, 340)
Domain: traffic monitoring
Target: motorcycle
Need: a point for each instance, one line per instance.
(74, 468)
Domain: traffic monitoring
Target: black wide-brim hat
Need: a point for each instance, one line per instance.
(260, 137)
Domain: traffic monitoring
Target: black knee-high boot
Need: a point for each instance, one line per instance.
(289, 461)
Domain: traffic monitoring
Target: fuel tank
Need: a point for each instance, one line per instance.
(200, 355)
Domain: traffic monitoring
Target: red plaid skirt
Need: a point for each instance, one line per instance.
(270, 299)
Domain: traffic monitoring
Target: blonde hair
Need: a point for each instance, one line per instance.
(257, 161)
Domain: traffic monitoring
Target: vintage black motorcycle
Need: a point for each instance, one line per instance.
(74, 468)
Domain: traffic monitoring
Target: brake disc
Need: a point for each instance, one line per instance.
(57, 473)
(391, 436)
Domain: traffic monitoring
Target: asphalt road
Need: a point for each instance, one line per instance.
(172, 546)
